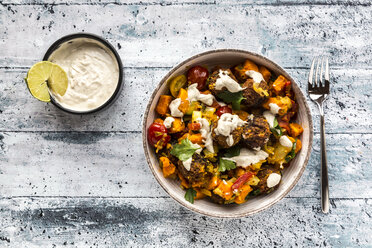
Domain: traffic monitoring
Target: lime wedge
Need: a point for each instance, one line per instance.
(44, 75)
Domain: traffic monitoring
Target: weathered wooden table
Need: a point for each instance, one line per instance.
(83, 180)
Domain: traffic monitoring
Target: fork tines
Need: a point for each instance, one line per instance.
(321, 75)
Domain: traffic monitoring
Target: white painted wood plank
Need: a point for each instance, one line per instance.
(19, 111)
(113, 164)
(183, 2)
(155, 35)
(116, 2)
(47, 222)
(158, 34)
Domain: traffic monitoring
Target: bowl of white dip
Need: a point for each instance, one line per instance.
(94, 71)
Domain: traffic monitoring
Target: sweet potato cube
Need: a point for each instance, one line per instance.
(241, 69)
(199, 194)
(177, 126)
(244, 191)
(182, 94)
(214, 182)
(279, 84)
(196, 138)
(184, 182)
(284, 104)
(242, 114)
(298, 146)
(163, 104)
(224, 190)
(295, 129)
(265, 73)
(250, 65)
(184, 106)
(169, 168)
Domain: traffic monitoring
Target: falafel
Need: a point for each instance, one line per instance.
(213, 78)
(241, 69)
(256, 132)
(263, 175)
(225, 141)
(251, 97)
(200, 171)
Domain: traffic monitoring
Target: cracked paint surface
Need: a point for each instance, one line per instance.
(82, 181)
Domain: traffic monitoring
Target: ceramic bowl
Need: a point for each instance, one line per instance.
(104, 44)
(291, 175)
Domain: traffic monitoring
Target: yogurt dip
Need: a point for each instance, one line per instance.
(92, 71)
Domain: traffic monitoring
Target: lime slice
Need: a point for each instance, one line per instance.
(45, 74)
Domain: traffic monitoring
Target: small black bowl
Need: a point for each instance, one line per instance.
(105, 43)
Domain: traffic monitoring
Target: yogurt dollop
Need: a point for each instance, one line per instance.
(273, 180)
(248, 157)
(224, 80)
(226, 124)
(194, 95)
(92, 71)
(168, 122)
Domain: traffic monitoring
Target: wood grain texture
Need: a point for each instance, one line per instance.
(82, 181)
(19, 111)
(185, 2)
(156, 35)
(160, 222)
(103, 164)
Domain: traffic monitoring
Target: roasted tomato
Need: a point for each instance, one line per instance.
(284, 125)
(158, 135)
(222, 110)
(199, 75)
(176, 84)
(194, 126)
(241, 180)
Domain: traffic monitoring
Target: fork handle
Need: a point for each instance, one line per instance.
(324, 171)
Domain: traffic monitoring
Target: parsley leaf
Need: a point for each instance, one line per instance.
(276, 123)
(232, 152)
(225, 165)
(190, 195)
(277, 130)
(292, 153)
(233, 98)
(185, 150)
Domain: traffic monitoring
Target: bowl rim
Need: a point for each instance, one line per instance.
(301, 97)
(103, 42)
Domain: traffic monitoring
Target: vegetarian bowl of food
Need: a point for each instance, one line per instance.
(227, 133)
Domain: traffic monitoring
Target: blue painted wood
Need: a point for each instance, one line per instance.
(75, 181)
(113, 164)
(345, 113)
(161, 222)
(161, 35)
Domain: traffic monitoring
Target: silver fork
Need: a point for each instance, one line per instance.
(318, 91)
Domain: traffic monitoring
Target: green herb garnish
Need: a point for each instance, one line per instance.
(277, 130)
(185, 150)
(232, 152)
(225, 165)
(292, 153)
(190, 195)
(276, 123)
(233, 98)
(256, 192)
